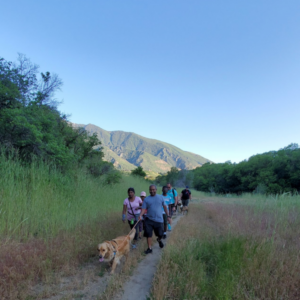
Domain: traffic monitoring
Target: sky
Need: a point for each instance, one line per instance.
(217, 78)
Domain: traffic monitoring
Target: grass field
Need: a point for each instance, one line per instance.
(53, 222)
(233, 248)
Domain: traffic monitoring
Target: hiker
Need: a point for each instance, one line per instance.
(132, 205)
(154, 220)
(141, 223)
(174, 198)
(186, 196)
(167, 200)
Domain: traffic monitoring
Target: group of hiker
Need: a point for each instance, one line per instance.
(153, 213)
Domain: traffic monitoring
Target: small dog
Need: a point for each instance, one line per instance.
(112, 251)
(184, 209)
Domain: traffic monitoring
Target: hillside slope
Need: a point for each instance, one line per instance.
(128, 150)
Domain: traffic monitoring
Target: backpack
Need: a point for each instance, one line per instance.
(173, 192)
(186, 194)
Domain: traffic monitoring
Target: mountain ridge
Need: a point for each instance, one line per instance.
(127, 150)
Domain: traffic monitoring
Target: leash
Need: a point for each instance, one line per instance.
(118, 246)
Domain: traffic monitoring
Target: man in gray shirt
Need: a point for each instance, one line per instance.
(154, 220)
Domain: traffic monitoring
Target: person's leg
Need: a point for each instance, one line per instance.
(149, 242)
(165, 225)
(140, 229)
(148, 233)
(158, 230)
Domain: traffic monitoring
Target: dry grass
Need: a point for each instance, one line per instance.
(226, 251)
(22, 265)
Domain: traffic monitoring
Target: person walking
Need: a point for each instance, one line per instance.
(141, 223)
(132, 206)
(186, 196)
(167, 200)
(174, 199)
(154, 220)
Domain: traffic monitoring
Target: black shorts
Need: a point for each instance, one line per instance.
(165, 219)
(185, 202)
(156, 226)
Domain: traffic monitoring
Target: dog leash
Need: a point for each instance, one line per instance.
(127, 235)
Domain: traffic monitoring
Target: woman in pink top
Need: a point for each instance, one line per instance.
(132, 206)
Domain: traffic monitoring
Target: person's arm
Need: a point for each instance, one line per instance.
(140, 203)
(142, 213)
(190, 196)
(176, 200)
(124, 212)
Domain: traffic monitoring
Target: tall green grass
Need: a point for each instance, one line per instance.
(211, 267)
(40, 201)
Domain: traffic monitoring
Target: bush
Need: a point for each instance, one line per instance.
(139, 172)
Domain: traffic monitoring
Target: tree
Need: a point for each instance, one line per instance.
(30, 123)
(139, 172)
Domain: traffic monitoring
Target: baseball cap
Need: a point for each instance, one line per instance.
(186, 187)
(143, 194)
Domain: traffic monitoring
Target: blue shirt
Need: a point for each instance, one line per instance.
(153, 206)
(167, 202)
(170, 193)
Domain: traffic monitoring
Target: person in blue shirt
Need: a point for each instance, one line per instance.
(154, 220)
(173, 194)
(167, 200)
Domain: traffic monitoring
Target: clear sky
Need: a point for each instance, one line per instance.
(218, 78)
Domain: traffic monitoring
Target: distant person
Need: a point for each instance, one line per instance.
(186, 196)
(132, 205)
(167, 200)
(141, 223)
(174, 198)
(154, 220)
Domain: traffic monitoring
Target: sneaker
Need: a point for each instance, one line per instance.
(164, 236)
(148, 251)
(161, 244)
(133, 246)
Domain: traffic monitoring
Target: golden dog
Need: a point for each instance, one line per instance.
(112, 251)
(184, 209)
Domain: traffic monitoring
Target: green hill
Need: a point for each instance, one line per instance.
(128, 150)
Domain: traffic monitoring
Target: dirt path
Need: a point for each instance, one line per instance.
(139, 284)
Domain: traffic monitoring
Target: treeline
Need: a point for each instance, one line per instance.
(272, 172)
(178, 178)
(32, 128)
(268, 173)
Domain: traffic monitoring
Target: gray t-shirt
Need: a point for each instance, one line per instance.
(153, 206)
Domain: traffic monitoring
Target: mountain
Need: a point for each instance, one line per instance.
(127, 150)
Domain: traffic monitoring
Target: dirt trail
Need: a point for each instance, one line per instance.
(139, 284)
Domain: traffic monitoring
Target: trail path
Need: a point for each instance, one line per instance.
(139, 284)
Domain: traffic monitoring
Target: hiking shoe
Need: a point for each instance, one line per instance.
(164, 236)
(161, 244)
(148, 251)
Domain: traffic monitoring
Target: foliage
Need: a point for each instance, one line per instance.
(272, 172)
(30, 124)
(139, 172)
(176, 177)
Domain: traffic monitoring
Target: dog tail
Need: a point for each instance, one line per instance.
(132, 234)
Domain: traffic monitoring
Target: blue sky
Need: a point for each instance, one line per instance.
(217, 78)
